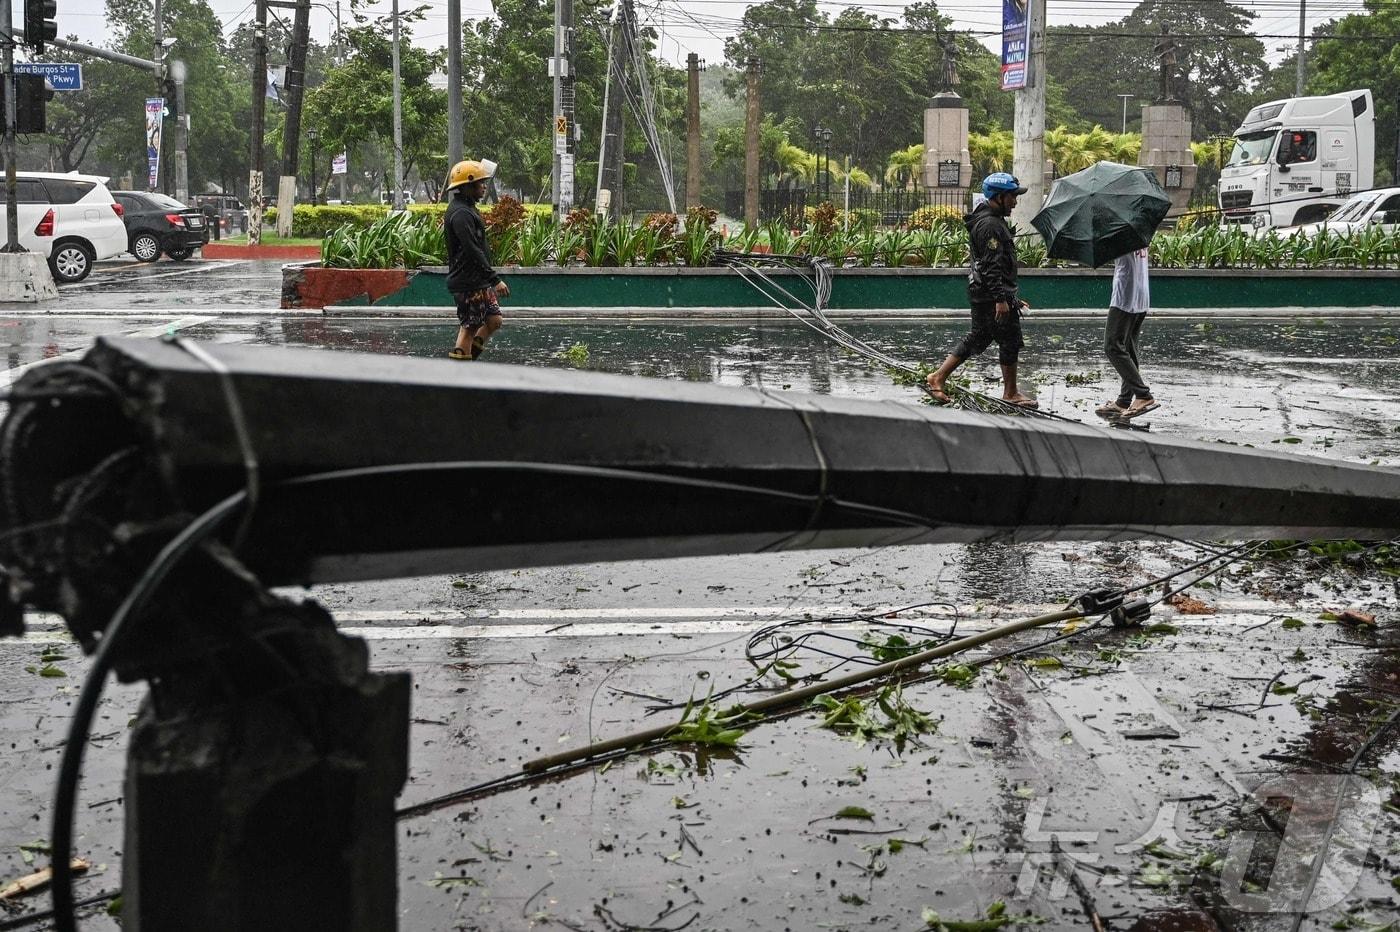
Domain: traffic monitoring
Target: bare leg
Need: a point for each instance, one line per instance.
(937, 378)
(464, 340)
(483, 333)
(1008, 384)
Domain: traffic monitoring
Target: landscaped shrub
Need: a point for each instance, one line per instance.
(936, 215)
(408, 240)
(531, 240)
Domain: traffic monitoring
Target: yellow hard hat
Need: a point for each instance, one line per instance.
(469, 170)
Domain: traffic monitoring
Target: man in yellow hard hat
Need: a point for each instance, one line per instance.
(472, 281)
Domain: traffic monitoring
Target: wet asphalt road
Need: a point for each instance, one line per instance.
(512, 665)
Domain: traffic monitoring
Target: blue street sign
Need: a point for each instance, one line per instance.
(59, 76)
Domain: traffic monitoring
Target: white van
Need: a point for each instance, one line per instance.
(72, 219)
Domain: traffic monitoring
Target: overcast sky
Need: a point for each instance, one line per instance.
(701, 26)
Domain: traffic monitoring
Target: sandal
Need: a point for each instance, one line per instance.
(478, 344)
(1022, 402)
(939, 396)
(1140, 406)
(458, 354)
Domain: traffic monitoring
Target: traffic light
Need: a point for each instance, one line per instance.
(29, 105)
(39, 23)
(168, 89)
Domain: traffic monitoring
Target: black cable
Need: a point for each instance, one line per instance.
(70, 765)
(1188, 568)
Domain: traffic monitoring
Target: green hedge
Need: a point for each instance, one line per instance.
(322, 220)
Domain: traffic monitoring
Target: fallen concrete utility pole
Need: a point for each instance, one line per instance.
(308, 466)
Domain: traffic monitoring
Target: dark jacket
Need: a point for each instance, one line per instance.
(993, 273)
(468, 257)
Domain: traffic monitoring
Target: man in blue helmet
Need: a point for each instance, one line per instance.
(992, 290)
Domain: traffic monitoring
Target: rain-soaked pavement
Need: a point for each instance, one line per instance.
(1132, 774)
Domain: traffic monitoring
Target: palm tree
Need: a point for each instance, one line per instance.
(860, 178)
(992, 152)
(794, 163)
(904, 166)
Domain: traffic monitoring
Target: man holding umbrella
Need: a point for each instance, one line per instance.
(1109, 213)
(992, 290)
(1128, 307)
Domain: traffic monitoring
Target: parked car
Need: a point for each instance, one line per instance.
(71, 218)
(1379, 207)
(158, 224)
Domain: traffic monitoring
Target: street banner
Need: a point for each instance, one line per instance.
(338, 164)
(1015, 43)
(58, 76)
(155, 118)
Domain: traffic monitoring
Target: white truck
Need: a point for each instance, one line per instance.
(1297, 160)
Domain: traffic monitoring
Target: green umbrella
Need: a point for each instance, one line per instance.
(1103, 212)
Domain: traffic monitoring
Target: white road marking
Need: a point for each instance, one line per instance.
(642, 622)
(110, 271)
(8, 377)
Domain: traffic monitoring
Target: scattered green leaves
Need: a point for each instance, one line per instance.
(708, 726)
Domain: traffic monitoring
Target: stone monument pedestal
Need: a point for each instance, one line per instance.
(1166, 149)
(947, 164)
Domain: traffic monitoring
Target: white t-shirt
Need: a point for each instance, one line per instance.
(1130, 289)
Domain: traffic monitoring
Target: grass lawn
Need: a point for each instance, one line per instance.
(270, 239)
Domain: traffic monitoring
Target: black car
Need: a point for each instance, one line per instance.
(158, 224)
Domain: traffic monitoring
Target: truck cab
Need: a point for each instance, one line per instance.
(1297, 160)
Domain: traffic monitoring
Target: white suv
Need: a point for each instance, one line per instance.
(72, 219)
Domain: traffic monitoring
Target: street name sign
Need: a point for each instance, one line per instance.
(59, 76)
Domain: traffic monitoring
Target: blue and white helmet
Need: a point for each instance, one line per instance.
(1001, 183)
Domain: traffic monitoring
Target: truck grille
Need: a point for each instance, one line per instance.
(1234, 200)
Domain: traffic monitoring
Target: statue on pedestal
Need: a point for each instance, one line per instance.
(949, 76)
(1166, 61)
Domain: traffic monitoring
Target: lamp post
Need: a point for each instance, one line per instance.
(1125, 98)
(312, 135)
(823, 135)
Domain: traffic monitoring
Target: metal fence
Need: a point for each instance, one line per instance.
(893, 207)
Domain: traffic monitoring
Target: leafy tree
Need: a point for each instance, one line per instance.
(903, 168)
(868, 77)
(1096, 63)
(1363, 53)
(218, 141)
(355, 106)
(77, 119)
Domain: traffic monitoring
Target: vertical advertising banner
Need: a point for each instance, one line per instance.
(155, 118)
(339, 164)
(1015, 43)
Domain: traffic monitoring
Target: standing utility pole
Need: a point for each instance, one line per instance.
(291, 130)
(1125, 98)
(178, 73)
(454, 82)
(158, 28)
(11, 110)
(1030, 123)
(1302, 47)
(752, 69)
(692, 131)
(397, 200)
(255, 156)
(607, 199)
(561, 69)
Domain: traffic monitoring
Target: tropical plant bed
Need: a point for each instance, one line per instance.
(679, 289)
